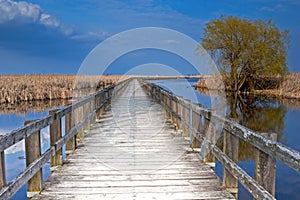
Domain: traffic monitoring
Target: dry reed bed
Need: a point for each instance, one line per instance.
(18, 88)
(289, 88)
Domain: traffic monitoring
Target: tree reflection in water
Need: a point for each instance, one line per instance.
(258, 113)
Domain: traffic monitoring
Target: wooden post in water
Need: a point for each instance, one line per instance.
(265, 167)
(210, 136)
(33, 152)
(55, 135)
(69, 123)
(231, 149)
(2, 170)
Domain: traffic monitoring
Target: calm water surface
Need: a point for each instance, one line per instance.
(13, 117)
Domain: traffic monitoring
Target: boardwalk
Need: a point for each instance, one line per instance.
(133, 152)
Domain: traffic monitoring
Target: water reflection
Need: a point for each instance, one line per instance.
(259, 114)
(13, 117)
(26, 106)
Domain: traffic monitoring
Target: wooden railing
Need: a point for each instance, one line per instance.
(200, 125)
(77, 118)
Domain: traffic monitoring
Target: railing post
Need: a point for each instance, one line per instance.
(86, 109)
(210, 136)
(187, 118)
(177, 111)
(55, 135)
(2, 170)
(79, 117)
(231, 149)
(33, 152)
(69, 123)
(197, 125)
(166, 105)
(265, 167)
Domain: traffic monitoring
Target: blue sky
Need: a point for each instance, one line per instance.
(51, 36)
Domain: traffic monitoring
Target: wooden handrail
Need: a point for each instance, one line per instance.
(266, 145)
(100, 99)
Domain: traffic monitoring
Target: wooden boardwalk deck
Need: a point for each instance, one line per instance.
(133, 152)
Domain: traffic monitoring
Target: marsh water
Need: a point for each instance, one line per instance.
(258, 113)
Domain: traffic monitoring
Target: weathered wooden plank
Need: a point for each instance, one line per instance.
(231, 149)
(2, 170)
(247, 181)
(33, 152)
(259, 191)
(126, 158)
(55, 135)
(17, 135)
(197, 125)
(265, 167)
(277, 150)
(69, 123)
(10, 189)
(144, 196)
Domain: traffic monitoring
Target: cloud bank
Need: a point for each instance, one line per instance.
(25, 12)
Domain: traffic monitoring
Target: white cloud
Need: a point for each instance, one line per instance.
(26, 12)
(11, 10)
(275, 8)
(48, 20)
(91, 35)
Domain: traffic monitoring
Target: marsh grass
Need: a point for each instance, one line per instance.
(17, 88)
(288, 88)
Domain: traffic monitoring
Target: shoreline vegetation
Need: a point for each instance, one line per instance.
(289, 88)
(15, 89)
(19, 89)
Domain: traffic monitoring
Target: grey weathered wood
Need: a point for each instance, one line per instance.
(276, 150)
(17, 135)
(55, 135)
(29, 133)
(33, 152)
(265, 167)
(69, 123)
(187, 118)
(210, 135)
(9, 190)
(197, 125)
(231, 149)
(246, 180)
(72, 133)
(2, 170)
(113, 164)
(78, 116)
(250, 184)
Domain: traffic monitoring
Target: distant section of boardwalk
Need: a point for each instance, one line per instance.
(133, 152)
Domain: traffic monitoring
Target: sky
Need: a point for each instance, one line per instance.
(55, 36)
